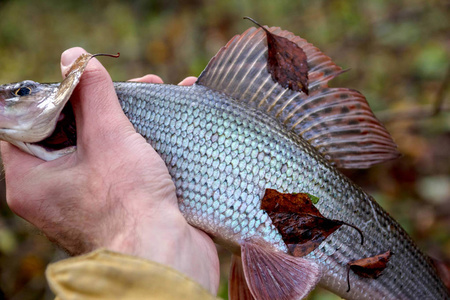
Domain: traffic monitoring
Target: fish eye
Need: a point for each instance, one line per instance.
(23, 91)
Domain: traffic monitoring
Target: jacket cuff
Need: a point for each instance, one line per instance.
(104, 274)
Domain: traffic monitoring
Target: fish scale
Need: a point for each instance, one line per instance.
(205, 166)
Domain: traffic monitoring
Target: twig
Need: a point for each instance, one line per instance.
(422, 112)
(439, 102)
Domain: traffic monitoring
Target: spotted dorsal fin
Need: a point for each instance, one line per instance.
(338, 122)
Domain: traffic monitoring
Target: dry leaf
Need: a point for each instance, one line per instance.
(369, 267)
(286, 62)
(443, 270)
(300, 223)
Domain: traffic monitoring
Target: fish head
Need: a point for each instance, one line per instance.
(38, 118)
(29, 113)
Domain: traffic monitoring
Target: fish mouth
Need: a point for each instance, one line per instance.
(65, 133)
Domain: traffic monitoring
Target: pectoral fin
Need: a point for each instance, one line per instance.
(272, 274)
(237, 286)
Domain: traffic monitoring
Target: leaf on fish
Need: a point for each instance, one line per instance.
(300, 223)
(369, 267)
(443, 270)
(286, 62)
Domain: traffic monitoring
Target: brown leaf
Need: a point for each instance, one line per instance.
(300, 223)
(369, 267)
(443, 270)
(286, 62)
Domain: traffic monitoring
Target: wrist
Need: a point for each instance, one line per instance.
(141, 233)
(167, 238)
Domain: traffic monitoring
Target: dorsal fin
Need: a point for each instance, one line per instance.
(336, 121)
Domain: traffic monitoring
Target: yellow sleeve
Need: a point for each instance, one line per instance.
(104, 274)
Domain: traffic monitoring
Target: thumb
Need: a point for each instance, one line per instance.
(96, 107)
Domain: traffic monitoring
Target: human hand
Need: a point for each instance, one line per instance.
(114, 191)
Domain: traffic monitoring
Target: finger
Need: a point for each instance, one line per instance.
(96, 107)
(188, 81)
(150, 78)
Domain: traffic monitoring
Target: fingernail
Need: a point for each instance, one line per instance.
(67, 58)
(70, 55)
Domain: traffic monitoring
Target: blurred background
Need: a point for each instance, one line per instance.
(397, 53)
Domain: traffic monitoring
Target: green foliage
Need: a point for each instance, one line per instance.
(313, 198)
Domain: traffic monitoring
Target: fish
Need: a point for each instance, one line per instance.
(238, 132)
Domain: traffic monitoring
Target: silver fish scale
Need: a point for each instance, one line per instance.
(222, 156)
